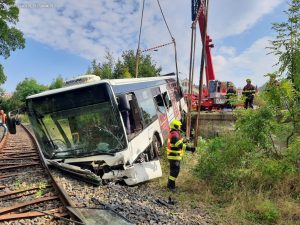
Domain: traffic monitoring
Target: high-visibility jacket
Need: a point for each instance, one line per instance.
(249, 90)
(230, 92)
(175, 147)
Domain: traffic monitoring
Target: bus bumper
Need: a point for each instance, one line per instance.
(137, 173)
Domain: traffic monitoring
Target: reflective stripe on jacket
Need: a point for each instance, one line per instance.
(176, 147)
(248, 90)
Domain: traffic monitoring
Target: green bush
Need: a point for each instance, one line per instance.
(257, 125)
(272, 171)
(221, 159)
(264, 212)
(232, 161)
(292, 153)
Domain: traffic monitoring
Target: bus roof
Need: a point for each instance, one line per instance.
(118, 85)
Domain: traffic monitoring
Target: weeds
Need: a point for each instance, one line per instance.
(42, 186)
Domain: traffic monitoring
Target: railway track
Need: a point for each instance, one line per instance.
(32, 193)
(28, 194)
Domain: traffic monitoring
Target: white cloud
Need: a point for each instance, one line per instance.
(232, 17)
(227, 50)
(88, 28)
(253, 63)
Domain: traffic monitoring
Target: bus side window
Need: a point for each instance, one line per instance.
(160, 103)
(167, 100)
(135, 116)
(129, 109)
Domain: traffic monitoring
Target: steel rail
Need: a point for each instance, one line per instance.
(10, 153)
(63, 196)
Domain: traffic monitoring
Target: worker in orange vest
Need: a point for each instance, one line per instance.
(175, 152)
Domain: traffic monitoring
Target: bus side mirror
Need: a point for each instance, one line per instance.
(11, 123)
(123, 103)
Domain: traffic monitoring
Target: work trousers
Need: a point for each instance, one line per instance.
(174, 171)
(249, 102)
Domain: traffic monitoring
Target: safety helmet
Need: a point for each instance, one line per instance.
(248, 80)
(175, 124)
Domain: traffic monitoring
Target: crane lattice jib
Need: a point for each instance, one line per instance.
(199, 9)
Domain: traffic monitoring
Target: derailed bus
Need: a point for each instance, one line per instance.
(106, 129)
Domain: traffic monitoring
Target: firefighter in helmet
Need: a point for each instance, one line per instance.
(175, 152)
(249, 92)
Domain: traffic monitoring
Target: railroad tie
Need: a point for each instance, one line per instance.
(23, 204)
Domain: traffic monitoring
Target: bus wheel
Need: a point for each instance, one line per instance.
(155, 148)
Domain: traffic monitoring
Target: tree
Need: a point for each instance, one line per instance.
(108, 66)
(27, 87)
(147, 68)
(57, 83)
(297, 70)
(104, 70)
(287, 43)
(10, 37)
(125, 67)
(121, 71)
(2, 75)
(95, 68)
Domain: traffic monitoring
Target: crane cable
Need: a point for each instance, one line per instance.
(162, 13)
(204, 3)
(174, 42)
(191, 75)
(139, 42)
(191, 78)
(159, 46)
(203, 61)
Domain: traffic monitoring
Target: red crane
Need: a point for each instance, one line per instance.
(214, 93)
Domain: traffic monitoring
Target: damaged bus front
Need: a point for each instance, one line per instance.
(80, 130)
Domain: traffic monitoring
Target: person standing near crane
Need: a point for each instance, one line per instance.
(175, 152)
(230, 95)
(249, 92)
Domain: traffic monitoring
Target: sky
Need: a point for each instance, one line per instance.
(63, 36)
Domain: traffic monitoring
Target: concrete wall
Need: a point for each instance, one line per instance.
(213, 124)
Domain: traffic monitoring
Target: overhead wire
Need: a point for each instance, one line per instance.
(156, 47)
(162, 13)
(139, 42)
(175, 48)
(159, 46)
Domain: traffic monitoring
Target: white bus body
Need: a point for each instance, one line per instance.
(107, 129)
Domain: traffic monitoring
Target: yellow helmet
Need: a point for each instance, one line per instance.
(175, 124)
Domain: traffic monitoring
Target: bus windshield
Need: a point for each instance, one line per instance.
(87, 127)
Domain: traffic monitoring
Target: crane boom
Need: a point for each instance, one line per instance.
(199, 9)
(213, 95)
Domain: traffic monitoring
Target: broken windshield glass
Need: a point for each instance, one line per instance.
(87, 130)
